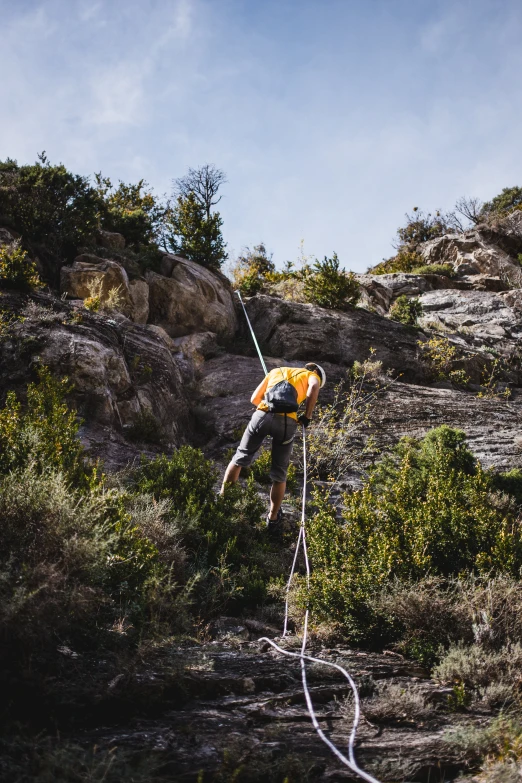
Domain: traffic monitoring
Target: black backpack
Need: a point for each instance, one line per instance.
(282, 398)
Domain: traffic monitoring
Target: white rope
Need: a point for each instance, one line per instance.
(350, 762)
(253, 335)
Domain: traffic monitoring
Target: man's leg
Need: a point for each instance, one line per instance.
(283, 434)
(252, 439)
(277, 494)
(231, 475)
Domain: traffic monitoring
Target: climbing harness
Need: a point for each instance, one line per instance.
(349, 760)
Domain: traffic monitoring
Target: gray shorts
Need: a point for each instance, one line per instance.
(260, 425)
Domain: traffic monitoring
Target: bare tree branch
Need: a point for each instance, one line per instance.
(204, 183)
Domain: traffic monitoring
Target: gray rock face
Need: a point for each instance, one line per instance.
(121, 371)
(492, 426)
(470, 253)
(306, 332)
(139, 301)
(482, 313)
(378, 292)
(190, 299)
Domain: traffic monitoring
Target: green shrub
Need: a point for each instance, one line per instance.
(49, 205)
(252, 270)
(510, 482)
(440, 358)
(186, 478)
(421, 227)
(44, 433)
(447, 270)
(261, 471)
(506, 201)
(427, 508)
(404, 261)
(406, 311)
(328, 286)
(16, 270)
(145, 429)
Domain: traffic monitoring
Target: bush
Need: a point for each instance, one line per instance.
(131, 210)
(16, 270)
(45, 433)
(328, 286)
(421, 227)
(447, 270)
(261, 471)
(475, 667)
(440, 358)
(427, 508)
(510, 482)
(405, 261)
(406, 311)
(252, 270)
(506, 201)
(396, 703)
(48, 205)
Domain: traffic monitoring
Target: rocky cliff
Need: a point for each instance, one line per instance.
(176, 363)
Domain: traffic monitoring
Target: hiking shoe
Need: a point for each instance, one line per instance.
(275, 525)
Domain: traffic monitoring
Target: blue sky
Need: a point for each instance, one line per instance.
(331, 118)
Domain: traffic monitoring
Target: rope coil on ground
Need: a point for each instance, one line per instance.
(349, 760)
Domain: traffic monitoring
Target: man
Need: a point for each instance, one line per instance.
(277, 399)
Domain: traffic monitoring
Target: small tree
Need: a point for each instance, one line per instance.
(419, 228)
(204, 183)
(191, 234)
(132, 210)
(506, 201)
(328, 286)
(251, 269)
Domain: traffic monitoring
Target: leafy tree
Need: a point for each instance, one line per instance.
(191, 234)
(329, 286)
(506, 201)
(52, 208)
(132, 210)
(204, 183)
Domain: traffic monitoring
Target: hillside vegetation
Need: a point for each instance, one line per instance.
(106, 573)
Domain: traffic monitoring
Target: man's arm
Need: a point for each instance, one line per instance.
(259, 393)
(311, 395)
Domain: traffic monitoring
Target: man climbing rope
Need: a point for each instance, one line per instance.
(277, 400)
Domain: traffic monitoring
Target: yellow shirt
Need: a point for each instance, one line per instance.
(297, 376)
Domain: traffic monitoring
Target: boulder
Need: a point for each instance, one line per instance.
(110, 240)
(76, 280)
(471, 253)
(307, 332)
(119, 371)
(191, 299)
(198, 347)
(139, 301)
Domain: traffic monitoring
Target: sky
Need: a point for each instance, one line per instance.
(330, 118)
